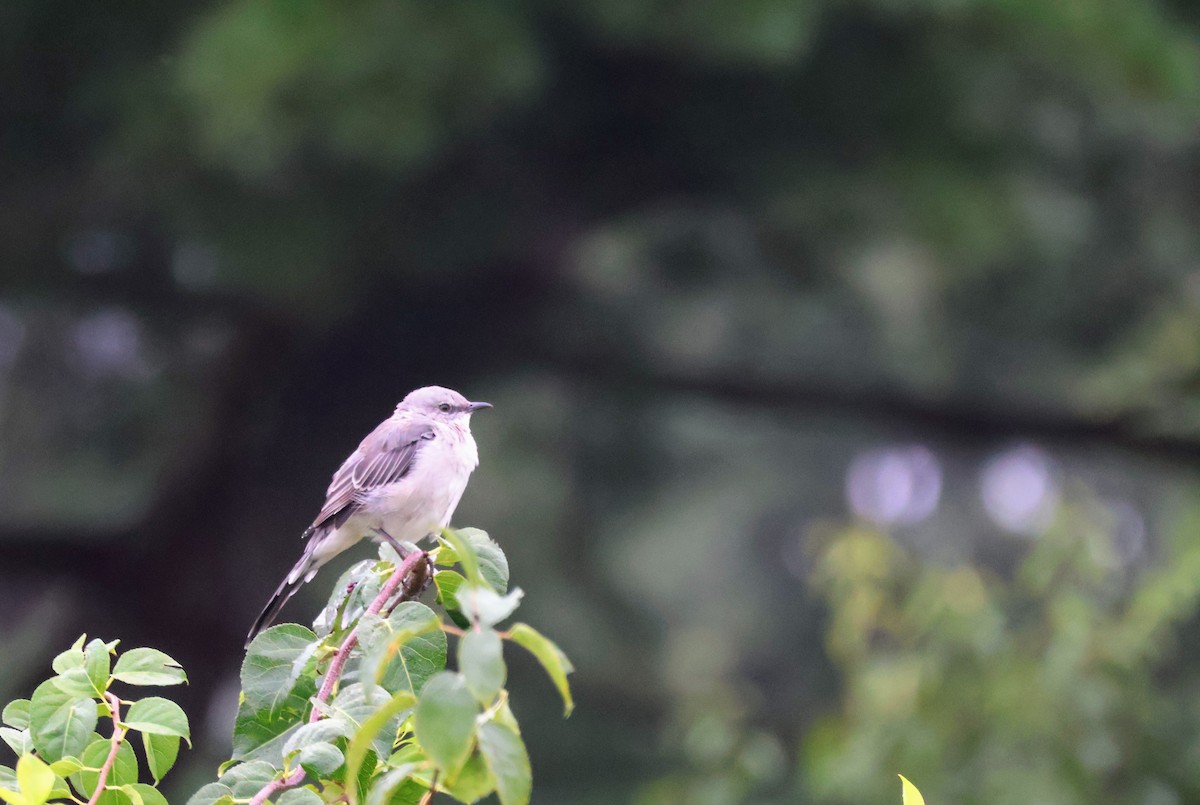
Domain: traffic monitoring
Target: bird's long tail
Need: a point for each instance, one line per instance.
(303, 571)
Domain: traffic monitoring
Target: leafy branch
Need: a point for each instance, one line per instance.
(359, 709)
(60, 756)
(363, 709)
(415, 564)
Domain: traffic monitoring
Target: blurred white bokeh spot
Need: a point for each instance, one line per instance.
(895, 485)
(1020, 489)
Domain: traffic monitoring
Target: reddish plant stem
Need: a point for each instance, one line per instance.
(275, 786)
(118, 736)
(411, 590)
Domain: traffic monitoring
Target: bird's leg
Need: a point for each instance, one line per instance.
(395, 543)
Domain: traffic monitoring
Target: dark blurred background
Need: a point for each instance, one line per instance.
(845, 356)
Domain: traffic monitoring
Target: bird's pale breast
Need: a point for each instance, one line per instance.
(424, 500)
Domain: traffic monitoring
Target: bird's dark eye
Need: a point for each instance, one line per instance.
(444, 408)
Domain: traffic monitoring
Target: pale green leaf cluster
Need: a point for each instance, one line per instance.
(56, 733)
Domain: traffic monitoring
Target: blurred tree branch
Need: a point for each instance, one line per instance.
(961, 420)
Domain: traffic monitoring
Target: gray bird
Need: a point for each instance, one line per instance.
(400, 485)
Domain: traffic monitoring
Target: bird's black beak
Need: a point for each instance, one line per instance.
(475, 406)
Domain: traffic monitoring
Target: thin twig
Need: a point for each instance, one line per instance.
(409, 591)
(114, 705)
(428, 797)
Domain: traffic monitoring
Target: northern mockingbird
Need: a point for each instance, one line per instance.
(400, 485)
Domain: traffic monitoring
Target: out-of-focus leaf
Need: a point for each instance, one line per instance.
(481, 661)
(493, 564)
(480, 604)
(550, 656)
(911, 795)
(473, 782)
(395, 787)
(508, 761)
(66, 767)
(384, 717)
(448, 583)
(444, 721)
(35, 779)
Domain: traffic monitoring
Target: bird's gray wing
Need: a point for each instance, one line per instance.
(384, 457)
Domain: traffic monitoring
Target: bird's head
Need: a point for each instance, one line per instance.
(440, 403)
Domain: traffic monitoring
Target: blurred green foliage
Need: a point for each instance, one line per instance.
(1046, 686)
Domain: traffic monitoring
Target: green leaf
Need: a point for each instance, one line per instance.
(158, 716)
(352, 594)
(508, 761)
(262, 735)
(481, 604)
(444, 721)
(550, 656)
(35, 779)
(17, 740)
(124, 769)
(161, 752)
(300, 796)
(147, 794)
(16, 714)
(360, 703)
(97, 664)
(321, 759)
(75, 682)
(322, 731)
(277, 661)
(212, 794)
(396, 787)
(148, 666)
(910, 793)
(247, 779)
(71, 658)
(286, 655)
(387, 715)
(493, 564)
(467, 557)
(481, 660)
(66, 767)
(412, 637)
(481, 558)
(8, 778)
(473, 782)
(448, 583)
(61, 724)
